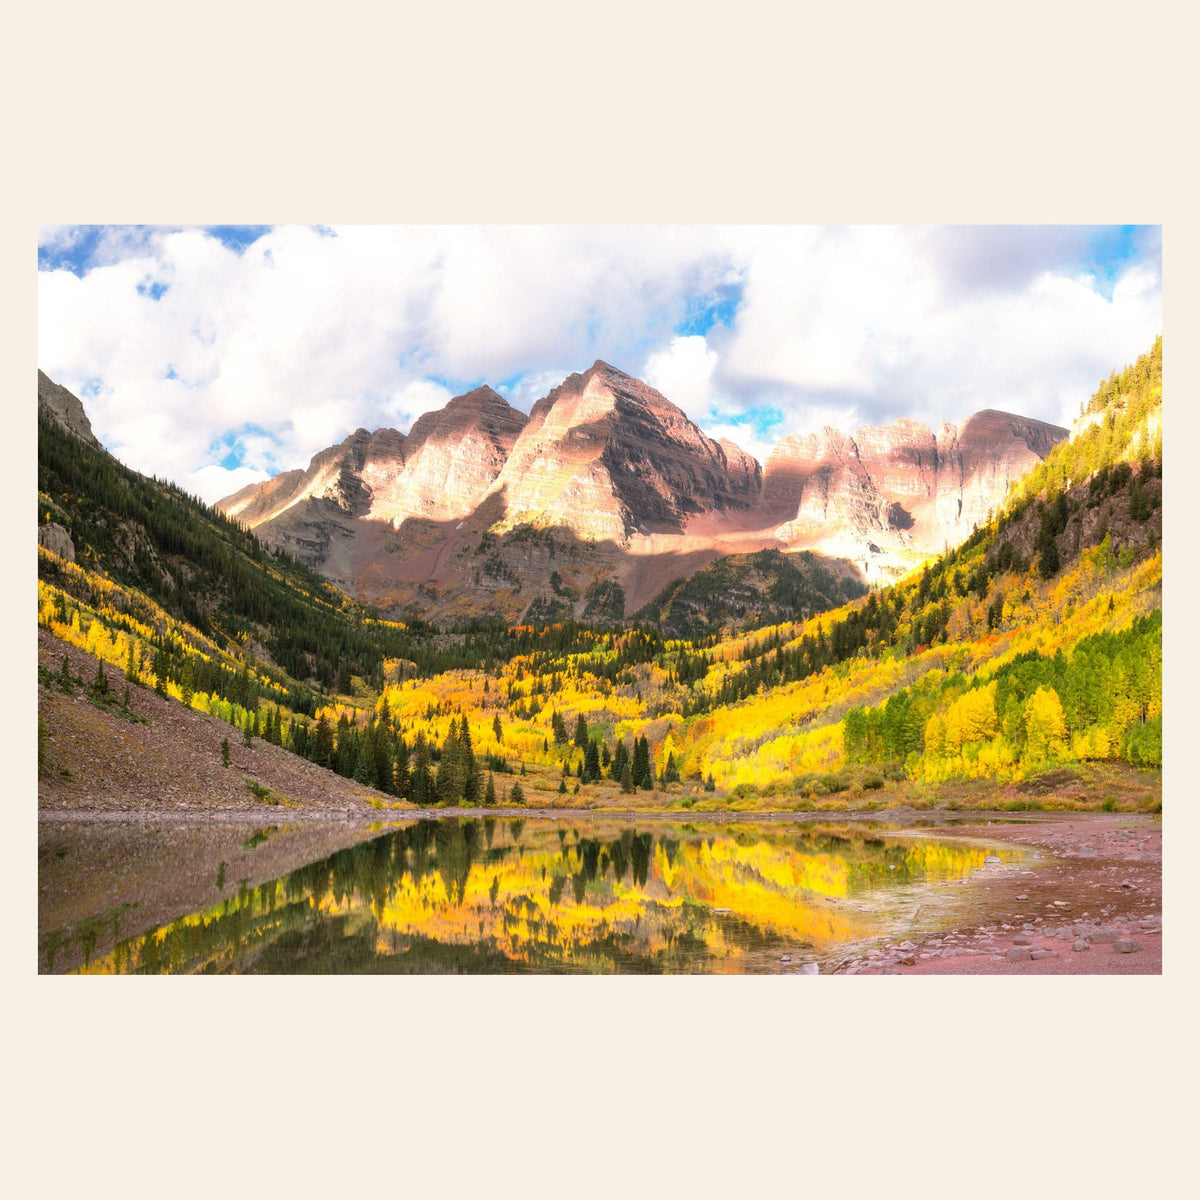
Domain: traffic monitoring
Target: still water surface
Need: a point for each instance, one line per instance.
(501, 896)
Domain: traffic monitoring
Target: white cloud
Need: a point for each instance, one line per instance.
(683, 372)
(306, 337)
(742, 436)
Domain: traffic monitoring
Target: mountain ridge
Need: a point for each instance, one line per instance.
(620, 481)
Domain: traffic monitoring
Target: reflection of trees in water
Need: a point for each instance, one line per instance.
(620, 859)
(589, 850)
(362, 881)
(641, 846)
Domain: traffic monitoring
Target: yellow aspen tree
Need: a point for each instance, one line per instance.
(1045, 728)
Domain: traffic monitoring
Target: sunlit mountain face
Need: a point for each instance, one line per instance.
(512, 896)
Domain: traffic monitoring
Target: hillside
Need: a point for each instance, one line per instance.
(1027, 658)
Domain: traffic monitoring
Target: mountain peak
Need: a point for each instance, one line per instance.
(482, 407)
(484, 394)
(64, 408)
(600, 367)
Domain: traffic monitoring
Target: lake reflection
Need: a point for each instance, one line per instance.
(490, 895)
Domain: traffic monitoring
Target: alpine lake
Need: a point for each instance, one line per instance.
(496, 894)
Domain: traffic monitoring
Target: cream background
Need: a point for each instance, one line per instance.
(625, 112)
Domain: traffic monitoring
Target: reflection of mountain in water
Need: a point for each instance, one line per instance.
(475, 896)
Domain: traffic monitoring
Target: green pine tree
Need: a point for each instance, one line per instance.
(100, 683)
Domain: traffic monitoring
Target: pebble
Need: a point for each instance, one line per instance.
(1022, 897)
(1018, 954)
(814, 969)
(1082, 944)
(1038, 954)
(1126, 945)
(1022, 940)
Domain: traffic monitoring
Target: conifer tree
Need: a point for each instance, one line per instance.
(670, 770)
(627, 779)
(345, 755)
(186, 680)
(591, 764)
(100, 683)
(489, 793)
(400, 771)
(517, 794)
(559, 728)
(131, 671)
(581, 733)
(498, 729)
(471, 787)
(449, 770)
(322, 743)
(641, 762)
(64, 677)
(161, 666)
(247, 729)
(620, 760)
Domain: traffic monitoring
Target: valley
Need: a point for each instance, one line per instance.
(190, 672)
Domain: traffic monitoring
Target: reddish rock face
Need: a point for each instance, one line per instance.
(609, 457)
(483, 510)
(887, 497)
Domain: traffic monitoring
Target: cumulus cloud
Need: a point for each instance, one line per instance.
(204, 357)
(683, 372)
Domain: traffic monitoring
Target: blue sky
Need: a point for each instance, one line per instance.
(219, 354)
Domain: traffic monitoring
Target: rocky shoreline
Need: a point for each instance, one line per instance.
(1090, 903)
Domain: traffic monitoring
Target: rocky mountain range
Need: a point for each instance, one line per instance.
(607, 492)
